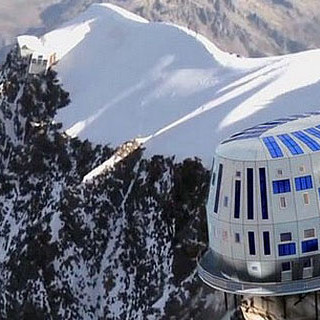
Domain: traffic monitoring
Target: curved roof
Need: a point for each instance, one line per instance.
(294, 136)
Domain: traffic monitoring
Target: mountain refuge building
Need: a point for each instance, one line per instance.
(40, 57)
(263, 210)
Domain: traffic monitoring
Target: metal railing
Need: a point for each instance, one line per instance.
(257, 288)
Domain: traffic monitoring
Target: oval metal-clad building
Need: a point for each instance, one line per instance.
(263, 210)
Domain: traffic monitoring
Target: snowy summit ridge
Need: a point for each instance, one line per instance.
(129, 78)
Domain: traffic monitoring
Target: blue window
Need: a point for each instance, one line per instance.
(311, 143)
(263, 193)
(281, 186)
(303, 183)
(309, 245)
(237, 199)
(290, 144)
(315, 132)
(252, 245)
(216, 203)
(266, 243)
(250, 193)
(273, 147)
(287, 249)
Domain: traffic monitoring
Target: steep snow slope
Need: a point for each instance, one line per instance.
(130, 78)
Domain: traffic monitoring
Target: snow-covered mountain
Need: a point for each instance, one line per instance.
(123, 246)
(130, 78)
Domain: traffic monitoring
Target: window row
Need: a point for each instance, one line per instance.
(284, 249)
(287, 249)
(283, 203)
(278, 186)
(288, 141)
(283, 186)
(287, 265)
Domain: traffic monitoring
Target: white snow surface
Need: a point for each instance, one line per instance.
(129, 78)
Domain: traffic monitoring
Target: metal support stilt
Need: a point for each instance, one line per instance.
(226, 300)
(235, 301)
(284, 304)
(316, 304)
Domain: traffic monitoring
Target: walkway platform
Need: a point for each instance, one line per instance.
(210, 271)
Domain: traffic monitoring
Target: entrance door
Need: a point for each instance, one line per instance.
(307, 268)
(286, 271)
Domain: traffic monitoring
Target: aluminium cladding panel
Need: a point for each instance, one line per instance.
(225, 211)
(238, 249)
(315, 163)
(236, 212)
(250, 193)
(246, 237)
(281, 170)
(286, 227)
(272, 242)
(244, 150)
(261, 218)
(221, 238)
(212, 190)
(305, 200)
(308, 225)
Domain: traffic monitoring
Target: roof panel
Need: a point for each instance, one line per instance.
(308, 141)
(273, 147)
(293, 147)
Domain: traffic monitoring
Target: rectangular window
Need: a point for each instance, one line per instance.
(250, 193)
(225, 201)
(287, 249)
(216, 203)
(309, 142)
(306, 199)
(286, 266)
(237, 199)
(286, 236)
(307, 263)
(283, 202)
(263, 193)
(273, 147)
(252, 245)
(293, 147)
(237, 237)
(309, 245)
(303, 183)
(309, 233)
(281, 186)
(238, 174)
(279, 172)
(266, 243)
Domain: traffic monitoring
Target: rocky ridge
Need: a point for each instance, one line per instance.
(123, 247)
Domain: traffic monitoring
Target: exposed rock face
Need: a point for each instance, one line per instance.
(246, 27)
(123, 247)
